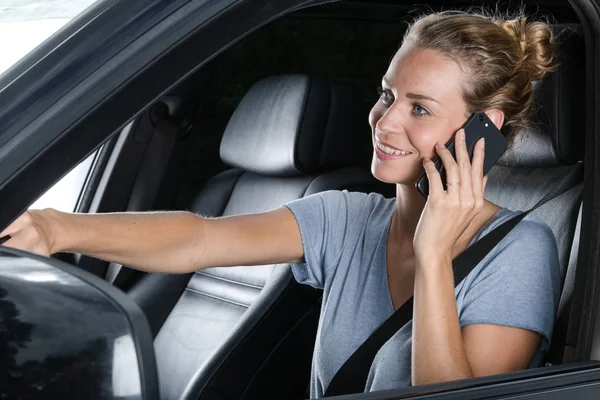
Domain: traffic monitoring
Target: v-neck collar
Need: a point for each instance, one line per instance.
(384, 246)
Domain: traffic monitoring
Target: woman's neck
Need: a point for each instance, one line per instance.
(409, 207)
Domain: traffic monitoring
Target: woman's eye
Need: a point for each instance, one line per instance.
(419, 111)
(386, 96)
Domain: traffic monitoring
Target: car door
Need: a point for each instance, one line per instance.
(86, 83)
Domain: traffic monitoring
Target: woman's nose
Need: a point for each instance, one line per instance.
(391, 122)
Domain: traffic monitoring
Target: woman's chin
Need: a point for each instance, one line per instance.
(392, 175)
(393, 178)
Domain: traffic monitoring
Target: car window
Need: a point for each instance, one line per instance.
(63, 196)
(29, 22)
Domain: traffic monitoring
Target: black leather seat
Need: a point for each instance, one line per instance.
(291, 136)
(543, 156)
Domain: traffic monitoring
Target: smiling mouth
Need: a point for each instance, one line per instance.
(391, 151)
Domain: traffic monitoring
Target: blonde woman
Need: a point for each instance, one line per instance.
(371, 254)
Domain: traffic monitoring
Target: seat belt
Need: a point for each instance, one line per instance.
(150, 176)
(353, 374)
(154, 165)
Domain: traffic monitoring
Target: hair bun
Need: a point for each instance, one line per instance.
(538, 56)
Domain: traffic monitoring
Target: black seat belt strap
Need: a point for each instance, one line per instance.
(352, 376)
(154, 165)
(148, 181)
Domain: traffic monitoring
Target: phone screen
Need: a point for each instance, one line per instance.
(476, 127)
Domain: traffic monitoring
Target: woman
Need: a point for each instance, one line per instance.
(371, 254)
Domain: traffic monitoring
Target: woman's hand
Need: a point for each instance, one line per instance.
(30, 232)
(448, 213)
(175, 242)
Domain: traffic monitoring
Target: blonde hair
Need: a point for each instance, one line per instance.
(501, 58)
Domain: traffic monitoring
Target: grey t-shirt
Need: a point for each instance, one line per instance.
(344, 236)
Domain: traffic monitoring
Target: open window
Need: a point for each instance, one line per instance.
(193, 50)
(66, 193)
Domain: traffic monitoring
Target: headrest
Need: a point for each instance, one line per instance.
(295, 124)
(557, 128)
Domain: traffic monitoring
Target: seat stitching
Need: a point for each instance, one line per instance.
(217, 297)
(229, 280)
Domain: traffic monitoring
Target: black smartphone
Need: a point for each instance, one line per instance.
(477, 126)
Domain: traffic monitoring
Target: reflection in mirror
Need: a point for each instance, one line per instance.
(67, 334)
(126, 371)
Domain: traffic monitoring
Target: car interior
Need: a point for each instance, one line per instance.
(280, 115)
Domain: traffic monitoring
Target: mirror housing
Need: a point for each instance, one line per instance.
(65, 333)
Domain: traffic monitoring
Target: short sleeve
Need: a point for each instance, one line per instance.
(519, 284)
(324, 220)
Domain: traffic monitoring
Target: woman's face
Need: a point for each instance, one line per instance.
(420, 104)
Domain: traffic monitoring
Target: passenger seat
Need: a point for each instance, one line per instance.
(291, 136)
(544, 155)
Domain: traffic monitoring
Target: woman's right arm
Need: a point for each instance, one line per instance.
(172, 242)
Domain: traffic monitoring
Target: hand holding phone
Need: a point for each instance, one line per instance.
(476, 127)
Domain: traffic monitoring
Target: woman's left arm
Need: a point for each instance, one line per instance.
(441, 351)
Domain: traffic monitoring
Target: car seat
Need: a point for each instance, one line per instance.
(543, 155)
(290, 136)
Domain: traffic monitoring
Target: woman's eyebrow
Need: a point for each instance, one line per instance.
(416, 96)
(413, 96)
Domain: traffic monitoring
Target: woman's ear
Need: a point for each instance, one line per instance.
(496, 116)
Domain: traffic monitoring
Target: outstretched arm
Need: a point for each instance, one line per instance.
(173, 242)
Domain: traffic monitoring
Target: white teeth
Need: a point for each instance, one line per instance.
(389, 150)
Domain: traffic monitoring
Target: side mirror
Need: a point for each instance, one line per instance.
(67, 334)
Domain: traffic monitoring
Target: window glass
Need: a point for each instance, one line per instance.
(63, 196)
(29, 22)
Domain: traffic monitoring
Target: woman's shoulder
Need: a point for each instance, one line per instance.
(350, 194)
(348, 199)
(342, 207)
(530, 228)
(530, 242)
(518, 282)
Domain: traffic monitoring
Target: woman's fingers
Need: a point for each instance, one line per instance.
(435, 181)
(24, 234)
(13, 242)
(464, 177)
(464, 167)
(19, 241)
(460, 147)
(16, 225)
(478, 157)
(27, 241)
(452, 172)
(477, 169)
